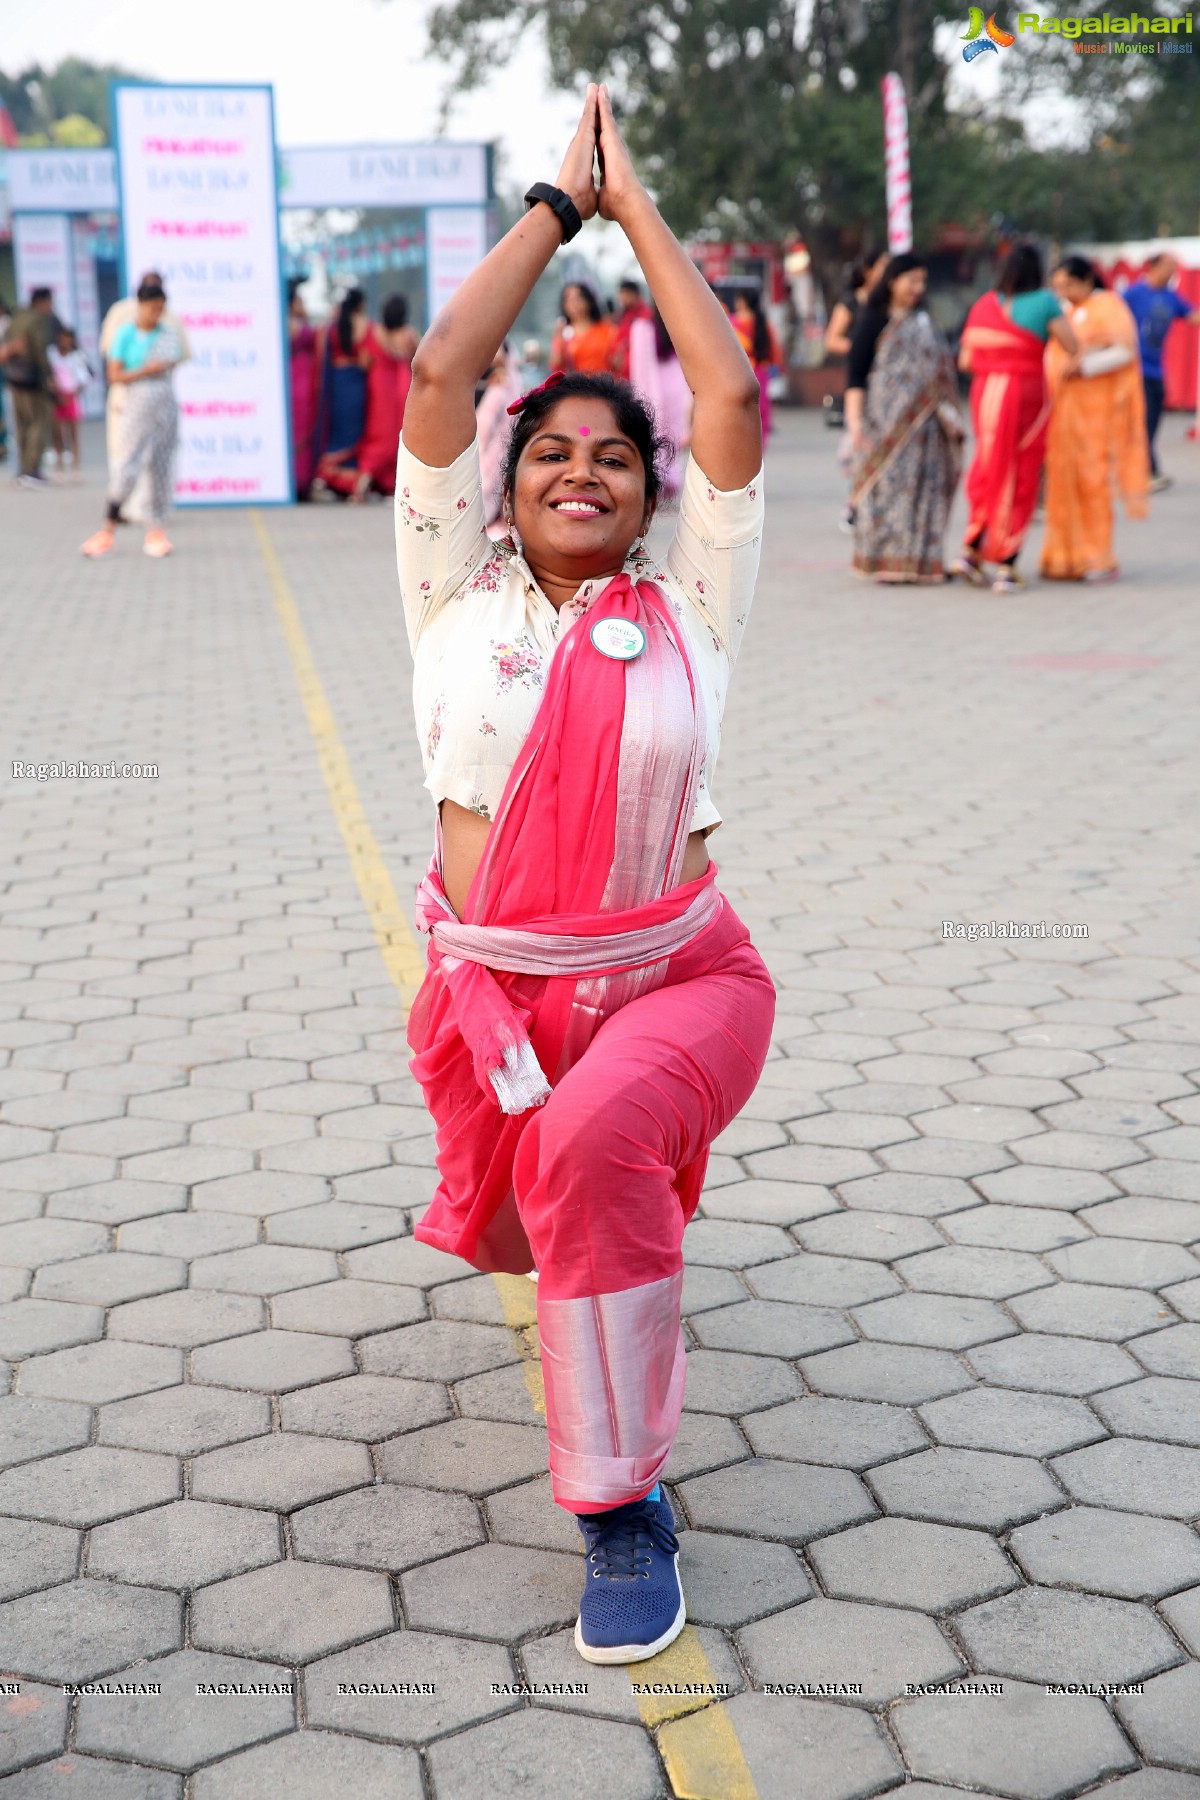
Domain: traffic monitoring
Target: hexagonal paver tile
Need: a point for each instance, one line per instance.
(259, 1193)
(311, 1765)
(1150, 1784)
(292, 1611)
(1048, 1634)
(188, 1719)
(111, 1278)
(386, 1527)
(988, 1274)
(787, 1500)
(909, 1563)
(878, 1236)
(95, 1373)
(1076, 1310)
(28, 1327)
(966, 1487)
(904, 1375)
(729, 1581)
(878, 1647)
(1123, 1262)
(527, 1752)
(348, 1308)
(939, 1321)
(699, 1657)
(264, 1269)
(439, 1350)
(336, 1225)
(403, 1259)
(367, 1407)
(734, 1243)
(824, 1281)
(32, 1242)
(1164, 1722)
(1053, 1365)
(1134, 1475)
(1127, 1555)
(188, 1318)
(86, 1486)
(1142, 1214)
(273, 1362)
(1006, 1419)
(84, 1629)
(840, 1748)
(498, 1591)
(1155, 1408)
(846, 1434)
(188, 1234)
(32, 1724)
(527, 1514)
(33, 1428)
(281, 1471)
(474, 1456)
(721, 1381)
(409, 1686)
(499, 1394)
(1031, 1228)
(924, 1195)
(1022, 1742)
(184, 1420)
(1174, 1351)
(33, 1555)
(773, 1328)
(185, 1545)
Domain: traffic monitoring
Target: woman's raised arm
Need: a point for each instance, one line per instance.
(726, 425)
(464, 339)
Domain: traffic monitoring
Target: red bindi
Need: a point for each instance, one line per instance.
(585, 431)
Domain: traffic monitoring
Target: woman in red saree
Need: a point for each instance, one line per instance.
(1003, 348)
(594, 1013)
(304, 371)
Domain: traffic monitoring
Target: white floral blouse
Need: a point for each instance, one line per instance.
(482, 632)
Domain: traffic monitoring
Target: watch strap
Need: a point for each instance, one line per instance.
(560, 204)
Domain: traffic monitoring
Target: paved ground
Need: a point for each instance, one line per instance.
(943, 1410)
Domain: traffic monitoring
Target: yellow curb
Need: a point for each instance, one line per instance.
(702, 1753)
(397, 943)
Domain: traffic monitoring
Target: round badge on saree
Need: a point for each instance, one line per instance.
(619, 639)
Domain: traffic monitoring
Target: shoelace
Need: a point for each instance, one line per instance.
(622, 1548)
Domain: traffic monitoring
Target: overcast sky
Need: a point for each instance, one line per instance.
(350, 72)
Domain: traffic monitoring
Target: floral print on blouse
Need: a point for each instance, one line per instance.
(483, 634)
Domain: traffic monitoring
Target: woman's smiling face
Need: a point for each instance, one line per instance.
(579, 500)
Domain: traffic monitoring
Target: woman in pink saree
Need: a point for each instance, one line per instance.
(594, 1013)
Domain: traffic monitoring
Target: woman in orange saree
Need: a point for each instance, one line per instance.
(1097, 430)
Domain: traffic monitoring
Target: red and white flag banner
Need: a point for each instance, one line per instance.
(895, 162)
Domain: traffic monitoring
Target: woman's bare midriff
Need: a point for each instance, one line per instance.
(464, 835)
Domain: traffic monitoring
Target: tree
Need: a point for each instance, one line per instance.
(763, 117)
(67, 105)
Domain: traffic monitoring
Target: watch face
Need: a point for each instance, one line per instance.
(619, 639)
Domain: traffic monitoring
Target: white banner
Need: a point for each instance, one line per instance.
(455, 243)
(62, 181)
(87, 315)
(44, 257)
(198, 204)
(384, 175)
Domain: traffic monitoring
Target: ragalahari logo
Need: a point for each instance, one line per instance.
(994, 39)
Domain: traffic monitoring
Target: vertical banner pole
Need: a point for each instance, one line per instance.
(895, 162)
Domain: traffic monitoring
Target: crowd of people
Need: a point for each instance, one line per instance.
(1066, 397)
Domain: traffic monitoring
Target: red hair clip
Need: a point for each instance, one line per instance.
(550, 381)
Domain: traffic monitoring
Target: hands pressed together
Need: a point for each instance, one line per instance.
(597, 171)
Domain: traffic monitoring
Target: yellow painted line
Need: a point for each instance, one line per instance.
(398, 946)
(701, 1750)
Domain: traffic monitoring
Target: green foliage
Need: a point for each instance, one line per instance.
(67, 105)
(763, 117)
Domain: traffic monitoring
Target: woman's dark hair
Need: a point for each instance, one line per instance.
(352, 301)
(151, 290)
(762, 334)
(1080, 269)
(595, 312)
(634, 420)
(880, 296)
(295, 283)
(1021, 271)
(395, 312)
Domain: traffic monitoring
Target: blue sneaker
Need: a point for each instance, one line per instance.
(633, 1605)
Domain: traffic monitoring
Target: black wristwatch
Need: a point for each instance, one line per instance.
(560, 204)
